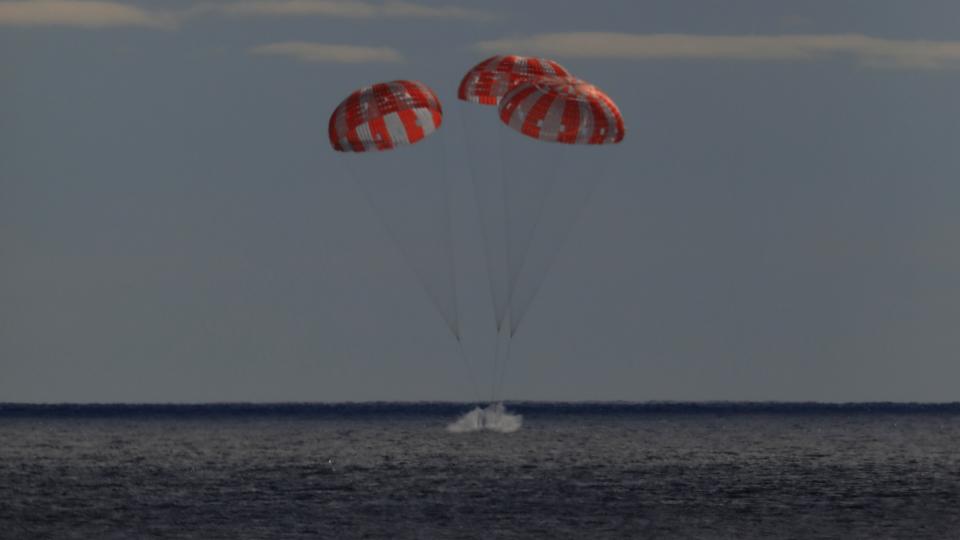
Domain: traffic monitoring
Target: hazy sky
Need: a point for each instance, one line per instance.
(781, 223)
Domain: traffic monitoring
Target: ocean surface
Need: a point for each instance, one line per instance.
(387, 470)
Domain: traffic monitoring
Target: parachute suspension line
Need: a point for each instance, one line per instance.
(471, 161)
(493, 373)
(501, 381)
(452, 325)
(521, 311)
(506, 224)
(564, 236)
(350, 173)
(550, 180)
(448, 241)
(448, 236)
(466, 363)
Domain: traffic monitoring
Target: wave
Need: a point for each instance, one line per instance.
(492, 418)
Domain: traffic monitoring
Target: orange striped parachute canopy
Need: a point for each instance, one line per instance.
(568, 111)
(384, 116)
(487, 82)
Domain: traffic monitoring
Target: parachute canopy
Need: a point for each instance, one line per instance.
(384, 116)
(566, 110)
(487, 82)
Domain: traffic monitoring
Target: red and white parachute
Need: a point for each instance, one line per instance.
(385, 115)
(487, 82)
(529, 194)
(406, 189)
(562, 110)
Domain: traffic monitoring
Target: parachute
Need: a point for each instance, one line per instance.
(562, 110)
(386, 126)
(506, 209)
(385, 115)
(487, 82)
(529, 192)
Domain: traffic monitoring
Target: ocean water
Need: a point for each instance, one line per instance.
(396, 471)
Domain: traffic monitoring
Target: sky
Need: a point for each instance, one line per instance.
(779, 223)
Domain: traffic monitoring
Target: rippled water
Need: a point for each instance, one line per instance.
(395, 471)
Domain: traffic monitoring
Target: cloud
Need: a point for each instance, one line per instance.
(321, 52)
(101, 14)
(869, 51)
(83, 14)
(341, 9)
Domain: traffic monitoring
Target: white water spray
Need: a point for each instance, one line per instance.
(494, 418)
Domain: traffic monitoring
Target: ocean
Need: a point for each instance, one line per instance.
(431, 470)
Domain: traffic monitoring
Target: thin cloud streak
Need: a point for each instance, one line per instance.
(869, 51)
(341, 9)
(82, 14)
(103, 14)
(322, 52)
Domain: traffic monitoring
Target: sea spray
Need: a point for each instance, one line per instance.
(493, 418)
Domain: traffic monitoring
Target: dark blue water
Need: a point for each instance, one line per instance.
(393, 471)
